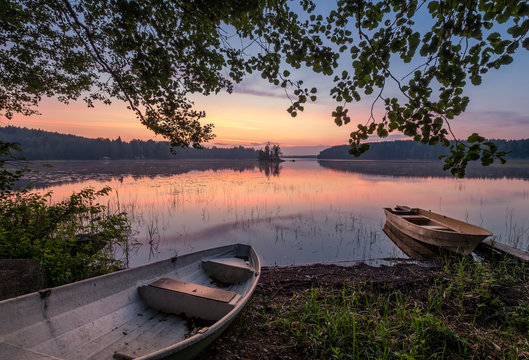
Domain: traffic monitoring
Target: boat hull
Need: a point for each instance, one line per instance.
(105, 317)
(438, 230)
(414, 249)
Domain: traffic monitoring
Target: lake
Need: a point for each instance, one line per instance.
(298, 212)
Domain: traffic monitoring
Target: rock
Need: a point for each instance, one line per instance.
(20, 276)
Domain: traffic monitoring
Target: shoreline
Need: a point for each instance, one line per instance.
(276, 288)
(466, 308)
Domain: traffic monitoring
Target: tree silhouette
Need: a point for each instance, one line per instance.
(271, 153)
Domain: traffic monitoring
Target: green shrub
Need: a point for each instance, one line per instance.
(73, 239)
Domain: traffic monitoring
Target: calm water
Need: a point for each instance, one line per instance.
(300, 212)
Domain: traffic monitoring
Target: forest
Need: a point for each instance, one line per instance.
(45, 145)
(408, 150)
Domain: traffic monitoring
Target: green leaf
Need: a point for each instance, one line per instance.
(475, 138)
(494, 37)
(433, 6)
(473, 156)
(476, 80)
(525, 43)
(506, 59)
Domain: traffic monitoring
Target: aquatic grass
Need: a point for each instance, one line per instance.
(468, 310)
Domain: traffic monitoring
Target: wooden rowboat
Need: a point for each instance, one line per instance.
(168, 309)
(434, 229)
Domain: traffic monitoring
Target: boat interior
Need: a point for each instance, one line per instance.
(133, 320)
(413, 216)
(426, 223)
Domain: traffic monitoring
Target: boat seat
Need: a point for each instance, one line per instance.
(437, 227)
(194, 300)
(228, 270)
(416, 219)
(413, 216)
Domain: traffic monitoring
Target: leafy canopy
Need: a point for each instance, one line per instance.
(149, 53)
(461, 41)
(153, 53)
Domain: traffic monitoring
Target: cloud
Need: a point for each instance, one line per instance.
(236, 142)
(501, 117)
(221, 144)
(251, 90)
(303, 150)
(236, 125)
(494, 124)
(228, 141)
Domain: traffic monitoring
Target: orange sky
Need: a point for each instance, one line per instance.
(256, 113)
(239, 119)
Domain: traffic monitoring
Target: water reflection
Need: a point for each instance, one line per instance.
(61, 172)
(305, 213)
(426, 169)
(270, 168)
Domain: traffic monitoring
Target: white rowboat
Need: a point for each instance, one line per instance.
(168, 309)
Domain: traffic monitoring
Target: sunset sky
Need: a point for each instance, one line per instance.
(256, 113)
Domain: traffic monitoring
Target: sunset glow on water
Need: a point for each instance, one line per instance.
(303, 212)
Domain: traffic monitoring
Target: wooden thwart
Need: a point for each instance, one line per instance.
(437, 227)
(194, 300)
(228, 270)
(202, 291)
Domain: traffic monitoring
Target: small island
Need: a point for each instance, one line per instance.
(271, 153)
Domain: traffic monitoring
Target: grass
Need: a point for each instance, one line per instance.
(469, 311)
